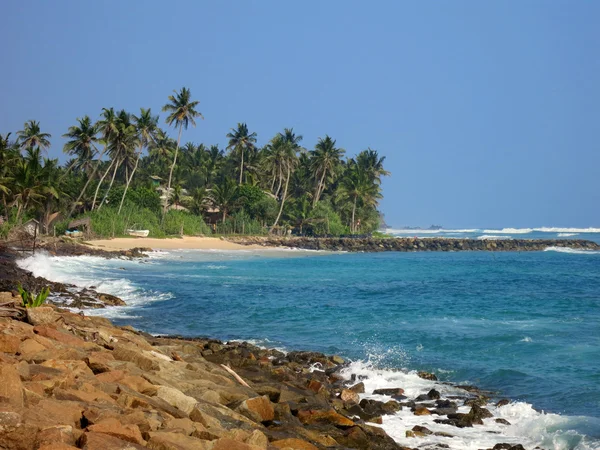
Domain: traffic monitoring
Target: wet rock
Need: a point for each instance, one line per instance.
(389, 391)
(502, 421)
(427, 376)
(503, 402)
(330, 417)
(359, 388)
(433, 394)
(349, 396)
(421, 411)
(111, 300)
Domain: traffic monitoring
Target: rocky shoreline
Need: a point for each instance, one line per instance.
(72, 381)
(412, 244)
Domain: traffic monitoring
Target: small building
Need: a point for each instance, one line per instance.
(156, 181)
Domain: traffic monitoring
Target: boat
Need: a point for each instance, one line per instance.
(138, 233)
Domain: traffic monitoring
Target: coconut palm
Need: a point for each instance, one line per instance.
(324, 159)
(372, 164)
(223, 196)
(182, 112)
(288, 147)
(122, 148)
(107, 127)
(241, 140)
(146, 126)
(31, 136)
(27, 188)
(9, 155)
(357, 187)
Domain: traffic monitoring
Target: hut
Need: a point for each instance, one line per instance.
(79, 227)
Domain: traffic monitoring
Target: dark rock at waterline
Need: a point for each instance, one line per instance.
(389, 391)
(427, 376)
(369, 244)
(503, 421)
(503, 402)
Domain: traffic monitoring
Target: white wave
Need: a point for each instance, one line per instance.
(526, 339)
(567, 234)
(97, 273)
(567, 230)
(574, 251)
(528, 427)
(416, 231)
(492, 237)
(510, 231)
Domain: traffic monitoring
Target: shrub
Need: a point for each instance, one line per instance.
(30, 299)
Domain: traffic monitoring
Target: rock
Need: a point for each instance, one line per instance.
(132, 354)
(101, 441)
(427, 376)
(9, 418)
(231, 444)
(421, 411)
(259, 409)
(502, 421)
(293, 444)
(140, 385)
(421, 431)
(258, 439)
(112, 427)
(57, 446)
(42, 315)
(433, 394)
(9, 343)
(100, 362)
(111, 300)
(359, 388)
(176, 398)
(349, 396)
(337, 360)
(161, 440)
(29, 348)
(11, 387)
(312, 416)
(60, 434)
(503, 402)
(59, 336)
(389, 391)
(21, 437)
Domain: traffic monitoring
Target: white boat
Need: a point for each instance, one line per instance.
(138, 233)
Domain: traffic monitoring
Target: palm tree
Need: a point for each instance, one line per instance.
(9, 154)
(182, 112)
(107, 127)
(27, 188)
(146, 127)
(288, 145)
(161, 150)
(122, 147)
(176, 196)
(81, 143)
(31, 136)
(324, 159)
(241, 140)
(372, 164)
(357, 186)
(223, 196)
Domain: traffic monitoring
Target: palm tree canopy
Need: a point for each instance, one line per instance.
(81, 141)
(181, 109)
(240, 137)
(31, 136)
(146, 126)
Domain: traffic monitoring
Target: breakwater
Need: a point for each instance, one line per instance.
(413, 244)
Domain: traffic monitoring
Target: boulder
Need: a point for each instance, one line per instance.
(349, 396)
(389, 391)
(101, 441)
(42, 315)
(176, 398)
(330, 417)
(11, 387)
(258, 409)
(9, 343)
(293, 444)
(132, 354)
(164, 440)
(231, 444)
(114, 428)
(59, 434)
(359, 388)
(427, 376)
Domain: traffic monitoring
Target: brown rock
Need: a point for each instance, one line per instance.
(139, 384)
(22, 437)
(294, 444)
(259, 409)
(427, 376)
(9, 343)
(9, 418)
(176, 398)
(42, 315)
(59, 336)
(315, 385)
(101, 441)
(57, 446)
(30, 347)
(162, 440)
(59, 434)
(134, 355)
(313, 416)
(11, 388)
(258, 439)
(112, 427)
(231, 444)
(99, 362)
(349, 396)
(422, 411)
(359, 388)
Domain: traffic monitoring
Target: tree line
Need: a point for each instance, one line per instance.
(125, 162)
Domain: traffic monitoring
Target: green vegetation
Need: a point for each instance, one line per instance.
(126, 172)
(31, 299)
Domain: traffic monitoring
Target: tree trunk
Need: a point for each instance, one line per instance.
(100, 183)
(284, 196)
(320, 188)
(87, 184)
(352, 227)
(242, 164)
(171, 171)
(224, 214)
(279, 185)
(128, 181)
(112, 180)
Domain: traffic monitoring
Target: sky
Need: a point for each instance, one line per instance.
(488, 113)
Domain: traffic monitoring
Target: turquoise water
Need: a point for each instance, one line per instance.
(524, 325)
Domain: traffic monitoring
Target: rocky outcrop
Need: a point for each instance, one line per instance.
(412, 244)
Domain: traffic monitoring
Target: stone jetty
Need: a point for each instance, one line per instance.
(370, 244)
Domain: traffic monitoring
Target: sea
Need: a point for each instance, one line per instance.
(523, 325)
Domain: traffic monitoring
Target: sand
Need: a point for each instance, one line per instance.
(187, 242)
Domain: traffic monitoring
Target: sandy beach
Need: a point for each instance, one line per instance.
(186, 242)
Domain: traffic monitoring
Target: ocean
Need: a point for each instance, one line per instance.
(525, 326)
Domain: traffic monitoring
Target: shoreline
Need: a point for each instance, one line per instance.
(181, 243)
(470, 413)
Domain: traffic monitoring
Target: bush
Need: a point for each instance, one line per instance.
(192, 225)
(325, 221)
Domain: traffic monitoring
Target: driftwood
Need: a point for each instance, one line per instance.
(11, 309)
(235, 375)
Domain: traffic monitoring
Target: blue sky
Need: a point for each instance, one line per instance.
(488, 113)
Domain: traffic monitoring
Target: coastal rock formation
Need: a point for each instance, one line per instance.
(71, 381)
(412, 244)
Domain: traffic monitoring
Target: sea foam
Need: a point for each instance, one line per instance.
(528, 426)
(574, 251)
